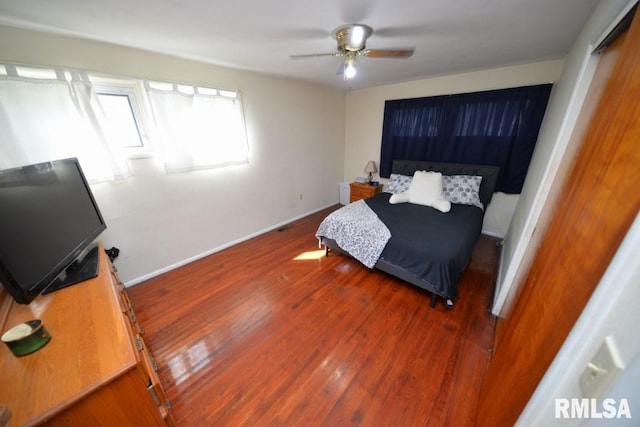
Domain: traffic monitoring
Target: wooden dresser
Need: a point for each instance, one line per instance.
(360, 190)
(96, 369)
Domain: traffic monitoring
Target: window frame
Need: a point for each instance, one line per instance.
(134, 91)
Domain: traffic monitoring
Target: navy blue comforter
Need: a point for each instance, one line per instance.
(432, 245)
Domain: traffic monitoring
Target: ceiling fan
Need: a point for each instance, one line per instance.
(352, 40)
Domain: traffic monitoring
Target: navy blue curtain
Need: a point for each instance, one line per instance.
(495, 128)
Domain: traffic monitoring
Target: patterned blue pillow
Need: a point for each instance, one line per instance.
(462, 189)
(398, 183)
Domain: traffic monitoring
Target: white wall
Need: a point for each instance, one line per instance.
(365, 110)
(552, 156)
(296, 141)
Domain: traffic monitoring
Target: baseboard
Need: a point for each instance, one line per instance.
(164, 270)
(492, 234)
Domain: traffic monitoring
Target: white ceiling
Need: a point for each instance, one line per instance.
(449, 36)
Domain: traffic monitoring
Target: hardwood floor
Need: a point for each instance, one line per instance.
(272, 332)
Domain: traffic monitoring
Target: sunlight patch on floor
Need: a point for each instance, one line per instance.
(310, 255)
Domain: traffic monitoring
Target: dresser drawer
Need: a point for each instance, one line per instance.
(362, 191)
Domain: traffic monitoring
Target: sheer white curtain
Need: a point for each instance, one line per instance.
(55, 116)
(197, 128)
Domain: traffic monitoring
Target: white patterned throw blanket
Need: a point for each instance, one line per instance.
(357, 230)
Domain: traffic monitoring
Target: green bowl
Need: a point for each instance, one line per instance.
(26, 337)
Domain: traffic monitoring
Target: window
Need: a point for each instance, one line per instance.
(119, 112)
(123, 105)
(54, 113)
(197, 127)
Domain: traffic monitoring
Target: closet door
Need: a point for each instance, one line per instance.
(598, 202)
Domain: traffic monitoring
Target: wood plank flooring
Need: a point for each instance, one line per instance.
(272, 332)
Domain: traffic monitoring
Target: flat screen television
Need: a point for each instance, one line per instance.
(49, 220)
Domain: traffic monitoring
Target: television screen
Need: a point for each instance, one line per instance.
(48, 220)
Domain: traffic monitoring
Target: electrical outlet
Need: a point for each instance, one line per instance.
(602, 371)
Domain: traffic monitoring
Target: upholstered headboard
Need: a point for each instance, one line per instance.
(489, 174)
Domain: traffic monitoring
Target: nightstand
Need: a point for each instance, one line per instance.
(360, 190)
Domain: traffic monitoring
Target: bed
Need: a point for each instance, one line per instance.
(425, 246)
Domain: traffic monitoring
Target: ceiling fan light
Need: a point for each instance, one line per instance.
(349, 67)
(352, 40)
(349, 71)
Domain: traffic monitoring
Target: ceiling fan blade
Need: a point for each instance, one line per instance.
(387, 53)
(313, 55)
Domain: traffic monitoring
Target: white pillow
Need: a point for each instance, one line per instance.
(399, 197)
(426, 189)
